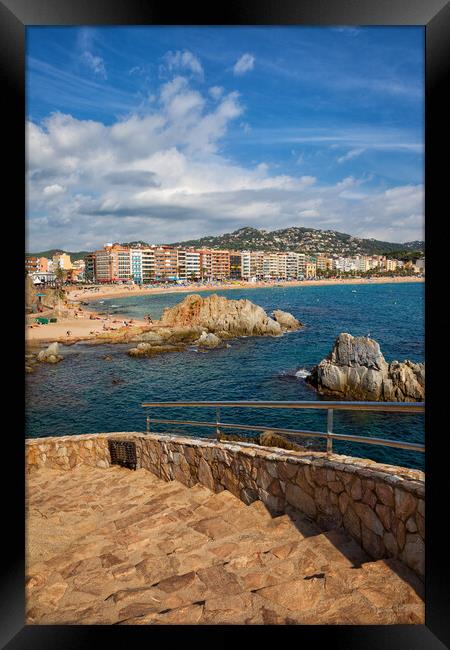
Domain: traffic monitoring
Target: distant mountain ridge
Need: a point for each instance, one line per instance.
(305, 240)
(74, 255)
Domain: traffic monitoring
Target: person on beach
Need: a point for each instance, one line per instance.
(68, 332)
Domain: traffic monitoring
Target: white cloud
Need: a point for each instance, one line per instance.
(245, 63)
(86, 48)
(182, 60)
(51, 190)
(353, 153)
(216, 92)
(162, 177)
(309, 213)
(95, 63)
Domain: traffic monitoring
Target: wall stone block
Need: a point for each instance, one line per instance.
(352, 523)
(385, 494)
(372, 543)
(405, 504)
(355, 488)
(369, 518)
(385, 514)
(390, 544)
(301, 500)
(369, 498)
(301, 480)
(413, 553)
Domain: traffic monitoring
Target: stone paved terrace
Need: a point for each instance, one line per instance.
(116, 546)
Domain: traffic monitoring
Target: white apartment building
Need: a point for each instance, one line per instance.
(123, 265)
(275, 265)
(257, 264)
(391, 265)
(292, 265)
(345, 264)
(148, 264)
(189, 264)
(363, 263)
(142, 264)
(252, 264)
(245, 264)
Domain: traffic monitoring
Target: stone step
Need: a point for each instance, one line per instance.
(125, 547)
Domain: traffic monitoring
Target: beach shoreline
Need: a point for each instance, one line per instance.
(118, 291)
(92, 326)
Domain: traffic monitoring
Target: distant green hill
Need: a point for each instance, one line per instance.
(308, 240)
(74, 256)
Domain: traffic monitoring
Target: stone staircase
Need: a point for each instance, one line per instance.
(114, 546)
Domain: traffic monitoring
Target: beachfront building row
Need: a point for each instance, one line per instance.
(37, 264)
(117, 263)
(283, 266)
(364, 263)
(43, 270)
(145, 264)
(47, 265)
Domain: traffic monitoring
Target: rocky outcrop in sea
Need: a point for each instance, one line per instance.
(286, 320)
(356, 369)
(207, 322)
(222, 316)
(51, 354)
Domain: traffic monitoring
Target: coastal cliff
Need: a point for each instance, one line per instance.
(209, 321)
(356, 369)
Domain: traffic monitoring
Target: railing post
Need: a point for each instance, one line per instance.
(148, 424)
(329, 431)
(217, 422)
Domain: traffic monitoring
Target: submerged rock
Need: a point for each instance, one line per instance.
(50, 355)
(356, 369)
(209, 340)
(149, 350)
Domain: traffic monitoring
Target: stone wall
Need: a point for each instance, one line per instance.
(382, 506)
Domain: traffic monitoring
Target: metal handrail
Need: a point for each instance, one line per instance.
(330, 407)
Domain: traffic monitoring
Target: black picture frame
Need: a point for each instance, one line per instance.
(434, 15)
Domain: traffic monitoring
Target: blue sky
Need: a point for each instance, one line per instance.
(162, 134)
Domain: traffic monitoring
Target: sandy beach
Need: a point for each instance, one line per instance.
(120, 291)
(79, 324)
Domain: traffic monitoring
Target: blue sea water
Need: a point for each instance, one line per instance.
(79, 396)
